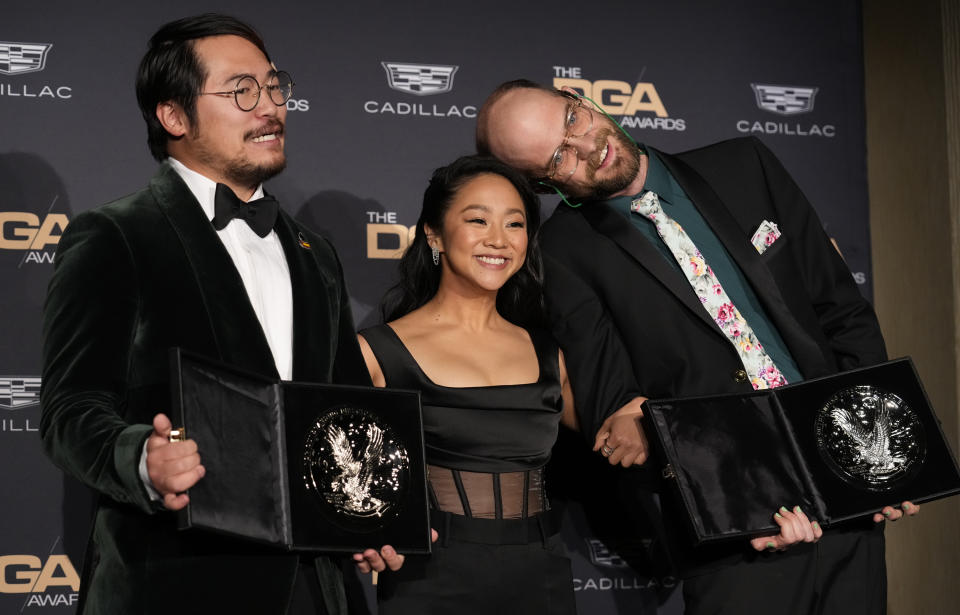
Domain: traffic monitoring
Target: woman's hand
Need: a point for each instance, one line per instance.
(795, 527)
(620, 438)
(386, 557)
(371, 559)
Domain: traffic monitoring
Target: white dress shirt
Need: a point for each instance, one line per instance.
(262, 267)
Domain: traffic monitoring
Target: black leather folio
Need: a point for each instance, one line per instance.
(303, 466)
(841, 447)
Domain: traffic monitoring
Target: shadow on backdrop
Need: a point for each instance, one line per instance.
(345, 219)
(34, 211)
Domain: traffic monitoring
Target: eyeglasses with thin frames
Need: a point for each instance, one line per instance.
(565, 160)
(279, 89)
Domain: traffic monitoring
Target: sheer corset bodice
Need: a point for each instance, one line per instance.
(485, 446)
(487, 495)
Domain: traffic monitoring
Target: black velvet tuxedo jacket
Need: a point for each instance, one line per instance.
(131, 280)
(629, 323)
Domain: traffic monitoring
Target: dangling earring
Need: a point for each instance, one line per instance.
(436, 255)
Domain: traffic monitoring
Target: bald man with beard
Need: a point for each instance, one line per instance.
(635, 317)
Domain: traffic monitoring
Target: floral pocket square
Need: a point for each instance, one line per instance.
(765, 235)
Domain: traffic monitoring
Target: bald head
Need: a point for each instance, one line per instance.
(521, 124)
(526, 125)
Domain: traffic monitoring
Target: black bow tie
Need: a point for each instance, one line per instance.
(259, 214)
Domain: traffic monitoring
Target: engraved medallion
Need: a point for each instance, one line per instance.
(357, 469)
(870, 438)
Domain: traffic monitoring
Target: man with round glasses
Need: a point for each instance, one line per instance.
(202, 259)
(699, 273)
(246, 94)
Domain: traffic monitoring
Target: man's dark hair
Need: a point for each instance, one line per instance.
(520, 300)
(483, 116)
(171, 71)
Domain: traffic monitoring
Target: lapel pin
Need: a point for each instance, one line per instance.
(303, 242)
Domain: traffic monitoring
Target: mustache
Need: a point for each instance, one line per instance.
(273, 126)
(593, 162)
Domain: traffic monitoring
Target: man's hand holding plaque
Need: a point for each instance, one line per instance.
(173, 467)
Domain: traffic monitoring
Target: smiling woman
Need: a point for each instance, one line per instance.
(483, 240)
(465, 330)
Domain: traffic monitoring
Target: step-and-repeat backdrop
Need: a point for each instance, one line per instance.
(386, 92)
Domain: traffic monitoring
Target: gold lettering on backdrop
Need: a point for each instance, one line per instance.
(45, 236)
(612, 95)
(404, 236)
(18, 230)
(652, 102)
(28, 574)
(617, 97)
(28, 232)
(50, 578)
(21, 580)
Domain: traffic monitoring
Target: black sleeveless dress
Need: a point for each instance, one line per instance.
(486, 448)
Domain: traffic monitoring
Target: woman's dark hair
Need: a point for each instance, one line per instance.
(171, 71)
(520, 300)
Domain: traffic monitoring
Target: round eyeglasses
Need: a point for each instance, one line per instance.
(279, 88)
(566, 159)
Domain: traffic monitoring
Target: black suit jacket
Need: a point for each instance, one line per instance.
(131, 280)
(629, 322)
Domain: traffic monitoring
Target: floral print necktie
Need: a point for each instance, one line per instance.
(762, 372)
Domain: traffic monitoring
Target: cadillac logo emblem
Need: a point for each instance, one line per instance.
(420, 79)
(18, 392)
(785, 100)
(22, 58)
